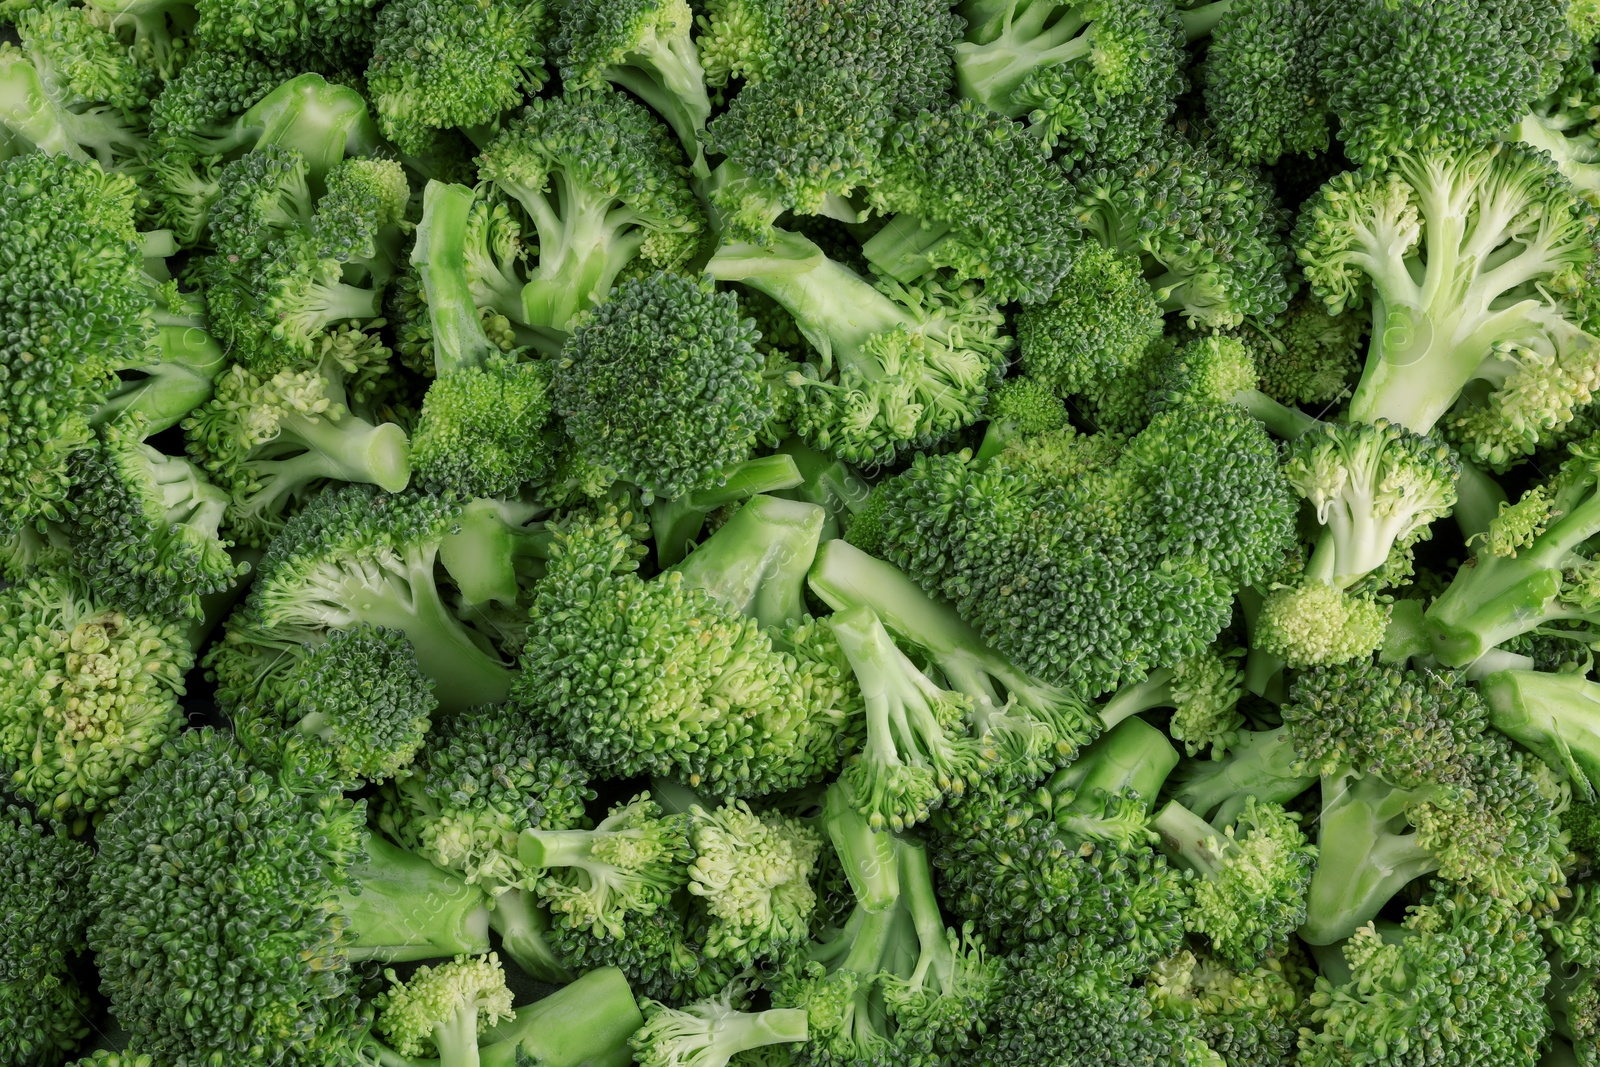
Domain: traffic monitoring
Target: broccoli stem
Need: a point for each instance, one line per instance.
(900, 247)
(1478, 500)
(1280, 419)
(757, 562)
(584, 242)
(1365, 856)
(348, 448)
(1265, 766)
(181, 379)
(456, 1037)
(1153, 691)
(867, 856)
(186, 497)
(676, 523)
(1555, 716)
(1198, 22)
(1040, 35)
(1188, 840)
(323, 122)
(743, 1031)
(405, 909)
(522, 924)
(584, 1024)
(483, 553)
(1134, 755)
(439, 254)
(1580, 164)
(666, 74)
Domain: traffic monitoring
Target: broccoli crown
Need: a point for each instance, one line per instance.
(443, 63)
(1021, 407)
(1251, 1018)
(752, 876)
(483, 431)
(482, 779)
(604, 183)
(713, 1032)
(1399, 1005)
(976, 194)
(1391, 233)
(660, 953)
(1315, 624)
(90, 695)
(76, 309)
(1098, 323)
(249, 967)
(1308, 356)
(1209, 232)
(1094, 78)
(46, 1020)
(322, 32)
(428, 1012)
(1261, 80)
(662, 384)
(1409, 75)
(1212, 368)
(43, 907)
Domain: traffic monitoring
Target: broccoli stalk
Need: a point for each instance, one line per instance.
(1555, 716)
(585, 1023)
(709, 1033)
(1260, 765)
(404, 908)
(674, 524)
(181, 378)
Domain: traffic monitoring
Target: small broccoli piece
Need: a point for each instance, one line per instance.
(272, 441)
(1413, 785)
(1524, 399)
(144, 526)
(1260, 764)
(1251, 1018)
(1308, 356)
(70, 88)
(1072, 856)
(308, 893)
(1207, 232)
(356, 555)
(600, 205)
(1204, 693)
(90, 695)
(713, 1032)
(1554, 717)
(1019, 408)
(751, 876)
(1316, 624)
(662, 385)
(645, 47)
(1250, 894)
(1497, 221)
(1453, 948)
(977, 195)
(442, 1011)
(438, 64)
(1093, 77)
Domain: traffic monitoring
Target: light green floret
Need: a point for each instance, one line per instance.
(1020, 408)
(441, 1011)
(1249, 895)
(1204, 693)
(604, 184)
(1316, 624)
(662, 384)
(628, 866)
(752, 876)
(438, 64)
(713, 1032)
(90, 693)
(1523, 398)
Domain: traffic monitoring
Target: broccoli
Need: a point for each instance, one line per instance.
(68, 87)
(1308, 356)
(751, 875)
(1314, 623)
(1250, 893)
(271, 441)
(43, 913)
(1251, 1017)
(1458, 251)
(291, 267)
(1572, 940)
(323, 33)
(1204, 693)
(159, 33)
(661, 384)
(645, 47)
(597, 203)
(1396, 1002)
(1553, 716)
(1020, 407)
(731, 711)
(443, 1010)
(1260, 764)
(712, 1032)
(975, 194)
(356, 555)
(897, 368)
(1413, 785)
(438, 64)
(309, 891)
(1095, 78)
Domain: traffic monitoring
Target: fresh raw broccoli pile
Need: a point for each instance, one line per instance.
(799, 533)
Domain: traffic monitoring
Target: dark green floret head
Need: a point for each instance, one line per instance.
(485, 431)
(1097, 324)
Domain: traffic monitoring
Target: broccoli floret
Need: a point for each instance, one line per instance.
(643, 46)
(318, 34)
(975, 194)
(1098, 324)
(897, 367)
(713, 1032)
(751, 876)
(70, 88)
(1413, 785)
(1250, 893)
(1572, 940)
(270, 442)
(198, 966)
(662, 385)
(442, 1011)
(159, 33)
(1251, 1018)
(290, 267)
(1458, 251)
(357, 555)
(1554, 717)
(1405, 981)
(1260, 764)
(144, 526)
(90, 695)
(1072, 857)
(730, 711)
(1207, 232)
(1315, 624)
(606, 189)
(1095, 78)
(1524, 399)
(1204, 693)
(438, 64)
(1018, 408)
(660, 953)
(1308, 356)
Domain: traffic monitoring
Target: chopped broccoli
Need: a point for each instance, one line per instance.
(713, 1032)
(442, 1010)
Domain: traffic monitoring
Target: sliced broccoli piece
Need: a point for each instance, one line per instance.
(713, 1032)
(443, 1010)
(751, 875)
